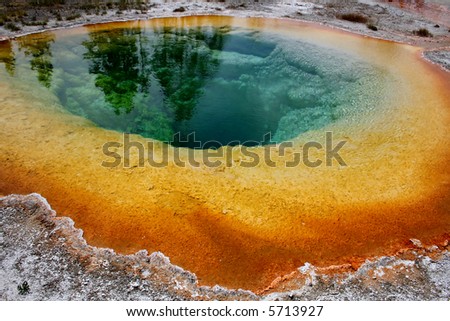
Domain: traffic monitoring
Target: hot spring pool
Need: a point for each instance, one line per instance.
(192, 85)
(200, 86)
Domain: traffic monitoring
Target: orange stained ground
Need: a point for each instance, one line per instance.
(436, 11)
(243, 227)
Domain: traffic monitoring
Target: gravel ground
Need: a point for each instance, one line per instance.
(53, 258)
(440, 57)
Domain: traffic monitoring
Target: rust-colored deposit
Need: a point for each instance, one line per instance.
(244, 227)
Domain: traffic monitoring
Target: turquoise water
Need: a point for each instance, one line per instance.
(227, 85)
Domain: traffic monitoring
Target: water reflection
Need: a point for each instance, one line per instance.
(7, 57)
(38, 49)
(119, 61)
(153, 78)
(182, 61)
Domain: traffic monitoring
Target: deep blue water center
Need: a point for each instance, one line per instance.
(200, 87)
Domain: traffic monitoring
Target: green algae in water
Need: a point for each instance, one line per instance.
(227, 85)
